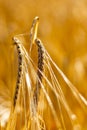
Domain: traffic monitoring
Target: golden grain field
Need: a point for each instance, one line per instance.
(63, 32)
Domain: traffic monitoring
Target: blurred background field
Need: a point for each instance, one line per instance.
(63, 30)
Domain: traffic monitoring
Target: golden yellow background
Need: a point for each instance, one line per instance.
(62, 28)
